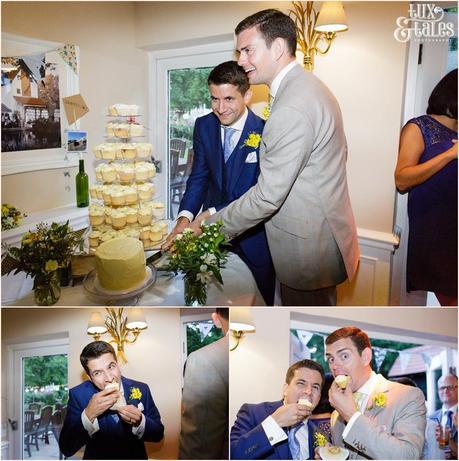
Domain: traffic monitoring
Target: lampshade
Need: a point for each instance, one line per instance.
(331, 18)
(135, 319)
(96, 324)
(241, 319)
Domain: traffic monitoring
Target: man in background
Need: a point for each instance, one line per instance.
(204, 431)
(440, 423)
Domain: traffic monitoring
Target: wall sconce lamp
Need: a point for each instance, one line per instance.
(124, 330)
(312, 28)
(241, 323)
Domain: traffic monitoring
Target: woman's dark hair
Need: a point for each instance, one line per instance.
(324, 404)
(443, 100)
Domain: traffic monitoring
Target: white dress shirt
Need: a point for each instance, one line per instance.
(93, 427)
(367, 390)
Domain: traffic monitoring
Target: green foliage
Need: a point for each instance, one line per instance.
(188, 88)
(193, 337)
(182, 131)
(47, 398)
(45, 370)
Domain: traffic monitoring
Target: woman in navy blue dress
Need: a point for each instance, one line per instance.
(427, 170)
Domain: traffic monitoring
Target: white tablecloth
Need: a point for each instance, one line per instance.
(239, 289)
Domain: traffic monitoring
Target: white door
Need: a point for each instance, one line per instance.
(19, 357)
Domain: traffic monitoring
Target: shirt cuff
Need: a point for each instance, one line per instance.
(273, 431)
(186, 214)
(212, 210)
(140, 429)
(350, 423)
(91, 428)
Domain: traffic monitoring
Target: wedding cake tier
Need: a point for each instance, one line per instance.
(120, 264)
(123, 110)
(123, 151)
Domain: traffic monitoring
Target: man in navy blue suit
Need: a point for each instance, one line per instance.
(226, 165)
(110, 414)
(281, 430)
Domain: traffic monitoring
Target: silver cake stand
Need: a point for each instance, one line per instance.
(125, 297)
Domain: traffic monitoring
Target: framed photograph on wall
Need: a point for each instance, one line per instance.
(36, 75)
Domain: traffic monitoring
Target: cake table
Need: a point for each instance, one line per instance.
(239, 289)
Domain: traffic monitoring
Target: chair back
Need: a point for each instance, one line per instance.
(29, 417)
(178, 144)
(45, 417)
(174, 156)
(35, 406)
(189, 162)
(64, 413)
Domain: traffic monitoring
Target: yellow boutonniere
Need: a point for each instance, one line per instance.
(266, 112)
(319, 440)
(135, 394)
(379, 400)
(253, 140)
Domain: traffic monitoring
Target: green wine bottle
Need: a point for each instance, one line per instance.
(82, 187)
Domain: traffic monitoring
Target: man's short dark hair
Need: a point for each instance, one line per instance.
(443, 100)
(272, 24)
(306, 363)
(223, 312)
(358, 337)
(230, 72)
(93, 351)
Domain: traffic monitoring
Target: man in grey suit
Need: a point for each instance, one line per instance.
(204, 431)
(301, 192)
(374, 418)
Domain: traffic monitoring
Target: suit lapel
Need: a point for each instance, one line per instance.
(241, 151)
(216, 151)
(381, 390)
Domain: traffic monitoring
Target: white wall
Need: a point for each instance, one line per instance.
(258, 365)
(154, 359)
(112, 70)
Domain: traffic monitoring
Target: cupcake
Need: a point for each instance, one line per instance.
(145, 233)
(342, 381)
(126, 172)
(118, 219)
(94, 239)
(118, 197)
(144, 216)
(131, 215)
(158, 210)
(130, 194)
(144, 150)
(145, 191)
(108, 173)
(156, 234)
(129, 151)
(163, 227)
(96, 216)
(144, 171)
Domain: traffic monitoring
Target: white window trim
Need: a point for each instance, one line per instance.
(160, 62)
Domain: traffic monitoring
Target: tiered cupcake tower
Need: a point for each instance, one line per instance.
(122, 201)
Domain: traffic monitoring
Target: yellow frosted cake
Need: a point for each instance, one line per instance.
(120, 264)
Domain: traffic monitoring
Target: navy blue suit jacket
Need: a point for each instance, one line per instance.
(208, 184)
(249, 440)
(115, 439)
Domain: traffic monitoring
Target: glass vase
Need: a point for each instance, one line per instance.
(195, 293)
(47, 289)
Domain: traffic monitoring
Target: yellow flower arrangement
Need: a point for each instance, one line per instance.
(266, 112)
(253, 140)
(378, 400)
(135, 394)
(320, 440)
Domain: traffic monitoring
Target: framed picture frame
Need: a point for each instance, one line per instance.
(45, 155)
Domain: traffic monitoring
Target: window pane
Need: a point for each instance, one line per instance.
(188, 100)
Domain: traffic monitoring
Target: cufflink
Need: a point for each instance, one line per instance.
(271, 439)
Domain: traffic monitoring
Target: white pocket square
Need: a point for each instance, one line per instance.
(251, 157)
(140, 406)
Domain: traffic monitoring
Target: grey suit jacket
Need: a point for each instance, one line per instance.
(302, 188)
(204, 431)
(393, 431)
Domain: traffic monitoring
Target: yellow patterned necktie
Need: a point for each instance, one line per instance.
(359, 397)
